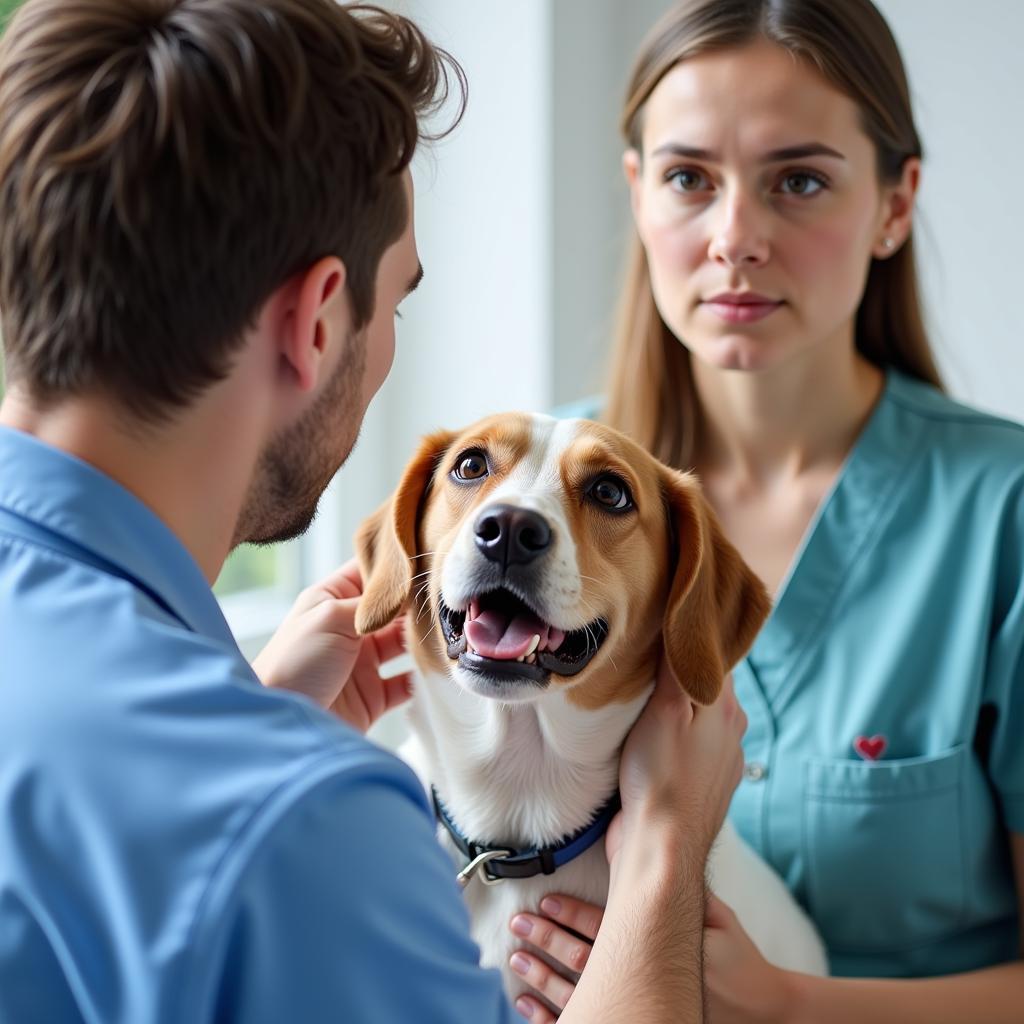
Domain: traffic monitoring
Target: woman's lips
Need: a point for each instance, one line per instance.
(742, 310)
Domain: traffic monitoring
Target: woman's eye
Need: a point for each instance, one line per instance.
(801, 184)
(471, 466)
(686, 180)
(610, 492)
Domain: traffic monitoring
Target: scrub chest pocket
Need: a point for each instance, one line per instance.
(884, 848)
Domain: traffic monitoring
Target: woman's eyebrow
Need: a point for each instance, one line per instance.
(800, 152)
(774, 156)
(690, 152)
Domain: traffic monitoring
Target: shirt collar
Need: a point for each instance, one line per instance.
(871, 478)
(62, 493)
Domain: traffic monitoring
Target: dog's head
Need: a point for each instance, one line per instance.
(536, 553)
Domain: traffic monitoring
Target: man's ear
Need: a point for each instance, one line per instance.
(387, 540)
(314, 320)
(716, 604)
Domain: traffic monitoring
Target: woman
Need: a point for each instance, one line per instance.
(772, 340)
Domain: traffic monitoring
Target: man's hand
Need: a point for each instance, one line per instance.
(680, 765)
(317, 651)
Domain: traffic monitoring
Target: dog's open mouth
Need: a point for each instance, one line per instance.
(500, 634)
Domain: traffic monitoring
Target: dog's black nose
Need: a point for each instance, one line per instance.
(512, 536)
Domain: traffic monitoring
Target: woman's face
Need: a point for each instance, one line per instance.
(758, 202)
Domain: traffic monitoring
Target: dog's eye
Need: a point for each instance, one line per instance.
(612, 493)
(471, 466)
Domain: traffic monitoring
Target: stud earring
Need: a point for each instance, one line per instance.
(888, 243)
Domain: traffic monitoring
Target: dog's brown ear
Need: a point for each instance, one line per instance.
(386, 541)
(716, 604)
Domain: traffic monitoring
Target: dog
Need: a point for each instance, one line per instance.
(546, 565)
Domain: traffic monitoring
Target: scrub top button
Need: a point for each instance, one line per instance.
(755, 771)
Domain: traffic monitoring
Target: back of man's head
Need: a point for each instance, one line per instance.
(166, 165)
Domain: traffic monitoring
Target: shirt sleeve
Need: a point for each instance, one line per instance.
(1005, 676)
(350, 912)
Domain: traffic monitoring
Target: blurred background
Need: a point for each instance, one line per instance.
(522, 222)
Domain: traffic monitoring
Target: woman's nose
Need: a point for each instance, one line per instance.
(739, 237)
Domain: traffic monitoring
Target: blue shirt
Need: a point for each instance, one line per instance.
(178, 843)
(885, 696)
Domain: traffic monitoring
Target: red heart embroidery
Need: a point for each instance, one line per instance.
(870, 748)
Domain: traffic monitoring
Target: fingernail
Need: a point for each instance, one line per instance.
(522, 925)
(551, 905)
(519, 963)
(525, 1008)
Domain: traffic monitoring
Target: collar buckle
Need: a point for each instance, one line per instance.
(479, 864)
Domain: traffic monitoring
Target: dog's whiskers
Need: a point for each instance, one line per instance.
(589, 608)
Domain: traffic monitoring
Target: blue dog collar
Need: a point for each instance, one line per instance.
(496, 863)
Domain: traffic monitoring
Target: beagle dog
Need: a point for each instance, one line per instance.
(546, 565)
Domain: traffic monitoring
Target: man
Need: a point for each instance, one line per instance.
(206, 225)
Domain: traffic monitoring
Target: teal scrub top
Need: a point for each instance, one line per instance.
(885, 696)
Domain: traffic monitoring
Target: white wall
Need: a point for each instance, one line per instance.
(476, 337)
(967, 78)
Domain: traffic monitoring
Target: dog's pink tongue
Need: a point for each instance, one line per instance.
(494, 636)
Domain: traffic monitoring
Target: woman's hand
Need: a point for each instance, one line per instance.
(317, 651)
(742, 987)
(566, 934)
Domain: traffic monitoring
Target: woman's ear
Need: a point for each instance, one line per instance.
(716, 604)
(387, 540)
(631, 167)
(896, 218)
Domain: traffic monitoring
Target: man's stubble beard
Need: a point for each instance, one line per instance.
(296, 466)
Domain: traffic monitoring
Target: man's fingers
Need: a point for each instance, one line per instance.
(390, 641)
(541, 978)
(346, 581)
(397, 690)
(336, 616)
(668, 696)
(554, 940)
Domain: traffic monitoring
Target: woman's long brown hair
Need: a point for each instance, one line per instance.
(650, 393)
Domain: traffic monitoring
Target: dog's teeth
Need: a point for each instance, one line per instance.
(522, 657)
(531, 659)
(534, 644)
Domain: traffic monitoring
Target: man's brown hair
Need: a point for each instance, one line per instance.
(165, 165)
